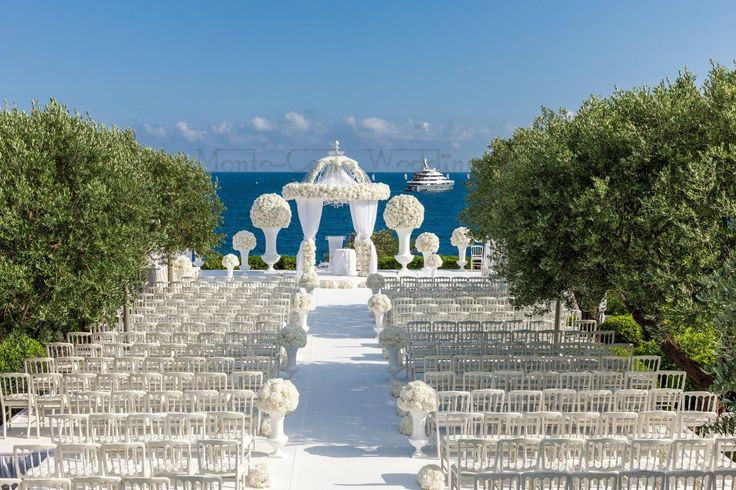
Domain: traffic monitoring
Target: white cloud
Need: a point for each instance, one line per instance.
(189, 133)
(224, 129)
(351, 121)
(297, 122)
(378, 127)
(262, 124)
(155, 130)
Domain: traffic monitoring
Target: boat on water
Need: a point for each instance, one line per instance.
(429, 180)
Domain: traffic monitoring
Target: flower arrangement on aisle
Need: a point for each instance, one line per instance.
(403, 211)
(433, 263)
(230, 262)
(302, 303)
(182, 267)
(278, 397)
(396, 387)
(431, 477)
(244, 241)
(259, 476)
(309, 280)
(270, 213)
(392, 339)
(291, 338)
(375, 282)
(405, 426)
(379, 304)
(338, 285)
(461, 239)
(418, 398)
(309, 255)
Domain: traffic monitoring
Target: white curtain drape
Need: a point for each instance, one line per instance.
(310, 214)
(364, 214)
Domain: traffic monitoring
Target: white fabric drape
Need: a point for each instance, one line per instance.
(310, 214)
(363, 214)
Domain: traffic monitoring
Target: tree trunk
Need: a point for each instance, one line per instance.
(695, 373)
(169, 269)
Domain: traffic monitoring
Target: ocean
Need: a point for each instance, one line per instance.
(238, 191)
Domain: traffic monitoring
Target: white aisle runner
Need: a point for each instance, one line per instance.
(345, 432)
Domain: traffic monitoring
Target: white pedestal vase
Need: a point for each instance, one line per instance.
(404, 257)
(278, 438)
(229, 273)
(379, 322)
(375, 290)
(393, 361)
(291, 366)
(418, 437)
(425, 256)
(244, 265)
(432, 271)
(461, 249)
(271, 256)
(302, 314)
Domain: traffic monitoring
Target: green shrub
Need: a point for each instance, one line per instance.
(699, 344)
(17, 347)
(213, 262)
(626, 328)
(615, 305)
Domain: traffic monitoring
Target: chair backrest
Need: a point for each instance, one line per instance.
(518, 454)
(641, 480)
(560, 454)
(36, 461)
(548, 480)
(181, 482)
(498, 481)
(75, 460)
(649, 454)
(69, 428)
(691, 454)
(96, 483)
(605, 454)
(144, 483)
(45, 484)
(124, 459)
(594, 480)
(688, 480)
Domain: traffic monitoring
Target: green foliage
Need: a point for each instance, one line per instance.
(629, 195)
(700, 344)
(389, 262)
(82, 207)
(17, 347)
(213, 261)
(615, 305)
(385, 241)
(626, 328)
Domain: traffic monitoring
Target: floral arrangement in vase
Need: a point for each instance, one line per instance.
(292, 336)
(332, 192)
(278, 396)
(270, 211)
(379, 303)
(244, 241)
(433, 263)
(427, 243)
(230, 262)
(259, 476)
(303, 301)
(461, 239)
(392, 337)
(417, 396)
(403, 211)
(431, 477)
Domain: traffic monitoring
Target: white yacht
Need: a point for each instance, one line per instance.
(429, 180)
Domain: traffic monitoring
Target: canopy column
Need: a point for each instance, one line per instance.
(363, 214)
(310, 215)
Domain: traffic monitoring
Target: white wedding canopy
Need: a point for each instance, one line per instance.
(337, 180)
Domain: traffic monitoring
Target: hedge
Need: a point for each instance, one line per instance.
(288, 262)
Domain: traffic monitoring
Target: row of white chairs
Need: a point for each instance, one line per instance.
(608, 480)
(577, 425)
(179, 482)
(467, 457)
(542, 380)
(479, 363)
(194, 358)
(564, 400)
(223, 458)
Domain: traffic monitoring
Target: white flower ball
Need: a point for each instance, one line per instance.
(403, 211)
(270, 211)
(418, 395)
(278, 395)
(230, 261)
(427, 243)
(244, 240)
(259, 476)
(434, 261)
(430, 477)
(379, 303)
(460, 237)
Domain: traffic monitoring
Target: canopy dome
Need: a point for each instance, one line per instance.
(336, 179)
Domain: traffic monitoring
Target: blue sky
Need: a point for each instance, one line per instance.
(243, 84)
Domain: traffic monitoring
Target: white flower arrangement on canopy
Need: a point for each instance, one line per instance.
(337, 180)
